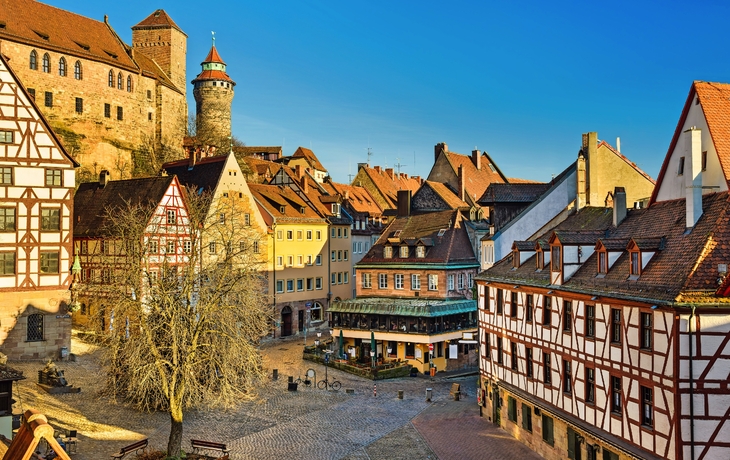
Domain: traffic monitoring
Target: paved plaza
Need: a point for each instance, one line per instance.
(306, 424)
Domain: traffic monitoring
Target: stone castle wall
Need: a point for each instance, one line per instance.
(168, 48)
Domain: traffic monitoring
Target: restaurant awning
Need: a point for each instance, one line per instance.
(404, 307)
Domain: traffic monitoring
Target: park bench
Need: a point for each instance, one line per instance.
(206, 446)
(455, 391)
(137, 447)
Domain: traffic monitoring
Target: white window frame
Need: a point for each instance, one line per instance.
(415, 282)
(433, 282)
(399, 281)
(366, 281)
(382, 281)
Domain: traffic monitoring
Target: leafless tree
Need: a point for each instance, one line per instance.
(183, 337)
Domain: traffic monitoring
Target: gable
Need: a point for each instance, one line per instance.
(32, 137)
(426, 199)
(705, 109)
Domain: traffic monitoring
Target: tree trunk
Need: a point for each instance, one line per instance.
(174, 444)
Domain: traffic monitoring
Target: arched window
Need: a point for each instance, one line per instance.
(33, 60)
(78, 72)
(129, 83)
(46, 63)
(62, 67)
(111, 79)
(34, 332)
(119, 81)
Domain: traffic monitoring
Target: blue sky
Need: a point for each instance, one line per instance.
(521, 80)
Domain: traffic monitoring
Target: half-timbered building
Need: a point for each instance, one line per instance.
(37, 179)
(607, 337)
(101, 249)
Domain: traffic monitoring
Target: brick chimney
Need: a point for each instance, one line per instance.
(476, 158)
(104, 177)
(305, 185)
(693, 175)
(438, 148)
(378, 169)
(462, 184)
(299, 171)
(619, 205)
(404, 203)
(389, 172)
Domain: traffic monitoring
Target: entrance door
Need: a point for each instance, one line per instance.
(496, 406)
(286, 321)
(301, 320)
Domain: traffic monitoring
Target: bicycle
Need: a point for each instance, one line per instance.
(306, 381)
(334, 384)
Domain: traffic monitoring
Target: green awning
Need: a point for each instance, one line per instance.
(403, 307)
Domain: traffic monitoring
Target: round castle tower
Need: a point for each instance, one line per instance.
(213, 91)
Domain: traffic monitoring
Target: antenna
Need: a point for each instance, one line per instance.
(398, 165)
(370, 153)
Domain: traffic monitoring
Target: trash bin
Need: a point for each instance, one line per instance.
(292, 386)
(433, 372)
(276, 374)
(400, 394)
(64, 352)
(429, 391)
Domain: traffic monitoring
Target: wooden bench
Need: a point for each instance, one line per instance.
(199, 445)
(137, 447)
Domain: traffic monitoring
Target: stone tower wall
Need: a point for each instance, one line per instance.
(168, 47)
(213, 109)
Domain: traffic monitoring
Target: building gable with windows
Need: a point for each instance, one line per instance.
(36, 202)
(165, 245)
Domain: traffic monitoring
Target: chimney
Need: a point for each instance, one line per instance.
(404, 203)
(378, 169)
(462, 184)
(619, 205)
(361, 165)
(440, 147)
(476, 158)
(618, 144)
(299, 171)
(581, 180)
(305, 185)
(347, 194)
(590, 152)
(389, 172)
(693, 175)
(104, 177)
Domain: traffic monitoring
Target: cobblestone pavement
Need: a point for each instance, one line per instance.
(306, 424)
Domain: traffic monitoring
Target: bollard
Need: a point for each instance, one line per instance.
(276, 374)
(400, 394)
(375, 390)
(429, 391)
(291, 379)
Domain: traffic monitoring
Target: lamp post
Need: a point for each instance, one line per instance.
(332, 338)
(316, 346)
(372, 357)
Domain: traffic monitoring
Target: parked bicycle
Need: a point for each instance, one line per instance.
(324, 383)
(306, 381)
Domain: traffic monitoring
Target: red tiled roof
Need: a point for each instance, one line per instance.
(37, 24)
(272, 197)
(714, 99)
(208, 75)
(513, 193)
(213, 56)
(446, 194)
(158, 19)
(387, 182)
(357, 197)
(310, 157)
(477, 180)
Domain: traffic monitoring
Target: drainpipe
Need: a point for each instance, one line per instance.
(691, 388)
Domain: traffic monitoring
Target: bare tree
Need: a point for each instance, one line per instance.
(184, 336)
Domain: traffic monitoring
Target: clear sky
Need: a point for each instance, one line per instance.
(520, 79)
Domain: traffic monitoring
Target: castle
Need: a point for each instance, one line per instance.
(115, 106)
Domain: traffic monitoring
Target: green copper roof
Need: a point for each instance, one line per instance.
(404, 307)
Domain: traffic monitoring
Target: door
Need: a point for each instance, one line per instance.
(286, 322)
(301, 320)
(496, 406)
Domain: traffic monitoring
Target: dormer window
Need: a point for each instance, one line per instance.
(404, 252)
(635, 267)
(441, 232)
(539, 259)
(602, 263)
(420, 252)
(388, 252)
(336, 209)
(282, 209)
(555, 258)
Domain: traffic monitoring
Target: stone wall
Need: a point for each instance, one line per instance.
(96, 140)
(167, 47)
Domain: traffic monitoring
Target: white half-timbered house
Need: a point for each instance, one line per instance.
(608, 336)
(166, 241)
(37, 178)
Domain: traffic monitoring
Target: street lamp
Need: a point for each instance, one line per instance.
(390, 350)
(372, 357)
(316, 346)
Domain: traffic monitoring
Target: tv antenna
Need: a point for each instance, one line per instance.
(370, 153)
(398, 165)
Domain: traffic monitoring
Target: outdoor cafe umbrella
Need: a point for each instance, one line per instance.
(341, 342)
(372, 343)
